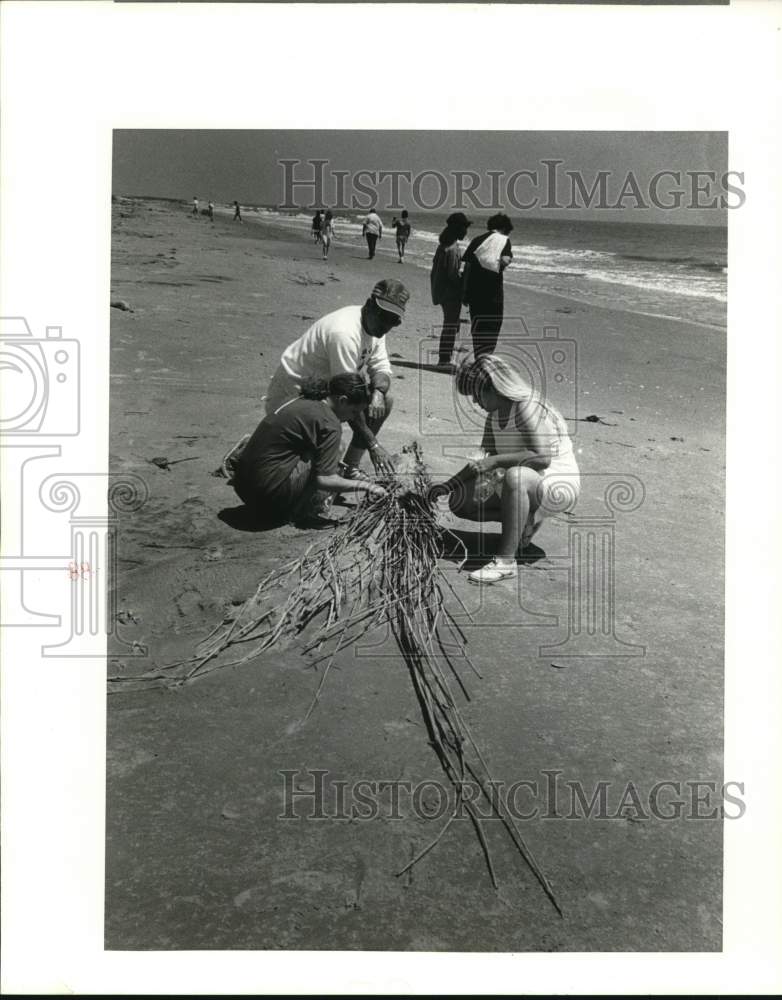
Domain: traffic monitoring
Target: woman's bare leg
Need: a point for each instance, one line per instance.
(519, 499)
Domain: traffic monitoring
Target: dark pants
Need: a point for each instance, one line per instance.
(291, 501)
(452, 312)
(486, 323)
(371, 241)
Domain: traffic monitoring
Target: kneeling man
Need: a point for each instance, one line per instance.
(352, 339)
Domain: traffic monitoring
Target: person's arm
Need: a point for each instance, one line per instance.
(469, 471)
(467, 260)
(338, 484)
(507, 256)
(451, 265)
(326, 464)
(343, 351)
(381, 383)
(359, 426)
(380, 458)
(379, 370)
(453, 485)
(537, 442)
(487, 441)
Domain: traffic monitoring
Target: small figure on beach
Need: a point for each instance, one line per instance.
(237, 212)
(210, 211)
(317, 225)
(402, 227)
(352, 339)
(446, 284)
(372, 230)
(528, 467)
(484, 260)
(293, 453)
(195, 207)
(327, 233)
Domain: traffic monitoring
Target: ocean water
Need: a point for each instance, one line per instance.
(673, 271)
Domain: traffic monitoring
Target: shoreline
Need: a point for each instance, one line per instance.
(300, 226)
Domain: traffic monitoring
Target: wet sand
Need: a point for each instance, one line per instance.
(196, 854)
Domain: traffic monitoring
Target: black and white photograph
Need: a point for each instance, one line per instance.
(384, 575)
(427, 565)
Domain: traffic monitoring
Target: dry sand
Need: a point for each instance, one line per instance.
(197, 857)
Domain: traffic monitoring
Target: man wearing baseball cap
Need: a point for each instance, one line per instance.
(352, 339)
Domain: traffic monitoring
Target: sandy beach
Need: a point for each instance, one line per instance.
(197, 856)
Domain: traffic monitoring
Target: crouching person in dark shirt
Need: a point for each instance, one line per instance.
(294, 452)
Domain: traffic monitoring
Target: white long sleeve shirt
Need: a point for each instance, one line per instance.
(333, 344)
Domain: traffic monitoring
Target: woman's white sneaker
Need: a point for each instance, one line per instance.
(494, 572)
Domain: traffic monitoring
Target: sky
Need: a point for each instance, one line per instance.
(246, 165)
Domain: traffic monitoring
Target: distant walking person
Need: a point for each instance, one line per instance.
(327, 233)
(402, 227)
(317, 225)
(485, 259)
(195, 206)
(237, 212)
(446, 282)
(372, 231)
(210, 211)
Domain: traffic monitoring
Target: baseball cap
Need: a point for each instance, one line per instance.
(458, 219)
(391, 295)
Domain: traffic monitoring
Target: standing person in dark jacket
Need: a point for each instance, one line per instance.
(317, 225)
(485, 259)
(446, 282)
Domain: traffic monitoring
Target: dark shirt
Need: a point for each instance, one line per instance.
(445, 280)
(302, 430)
(482, 286)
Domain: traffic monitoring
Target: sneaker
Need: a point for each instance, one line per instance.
(227, 467)
(493, 572)
(351, 472)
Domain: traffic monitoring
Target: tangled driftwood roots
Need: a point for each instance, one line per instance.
(381, 566)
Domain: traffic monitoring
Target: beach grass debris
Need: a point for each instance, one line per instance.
(380, 567)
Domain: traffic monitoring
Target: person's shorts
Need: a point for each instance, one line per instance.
(282, 389)
(286, 503)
